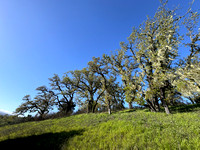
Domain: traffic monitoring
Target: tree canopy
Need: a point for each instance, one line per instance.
(147, 70)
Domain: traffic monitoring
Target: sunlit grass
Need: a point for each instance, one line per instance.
(122, 130)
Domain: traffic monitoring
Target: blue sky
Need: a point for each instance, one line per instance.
(41, 37)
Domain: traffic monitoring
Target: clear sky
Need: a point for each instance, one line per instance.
(41, 37)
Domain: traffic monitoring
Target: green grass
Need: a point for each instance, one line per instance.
(122, 130)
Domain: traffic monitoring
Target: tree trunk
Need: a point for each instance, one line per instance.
(89, 109)
(154, 101)
(157, 106)
(130, 105)
(151, 107)
(166, 109)
(109, 108)
(162, 93)
(94, 107)
(69, 107)
(191, 100)
(91, 102)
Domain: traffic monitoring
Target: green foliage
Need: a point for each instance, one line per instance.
(42, 103)
(154, 45)
(112, 93)
(147, 64)
(122, 130)
(88, 85)
(150, 76)
(63, 90)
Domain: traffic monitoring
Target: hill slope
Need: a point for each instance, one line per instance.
(122, 130)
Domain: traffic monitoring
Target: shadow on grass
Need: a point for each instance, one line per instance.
(185, 108)
(50, 141)
(127, 111)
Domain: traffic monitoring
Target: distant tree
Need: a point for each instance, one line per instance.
(64, 92)
(41, 104)
(88, 85)
(26, 106)
(110, 87)
(43, 101)
(119, 97)
(126, 67)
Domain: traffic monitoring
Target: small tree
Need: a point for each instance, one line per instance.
(41, 105)
(26, 106)
(64, 92)
(88, 85)
(108, 79)
(126, 67)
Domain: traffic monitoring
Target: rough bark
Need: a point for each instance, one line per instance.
(89, 109)
(156, 104)
(151, 107)
(94, 107)
(162, 92)
(109, 108)
(130, 105)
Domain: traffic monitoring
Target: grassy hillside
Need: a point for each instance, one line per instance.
(123, 130)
